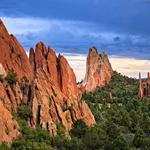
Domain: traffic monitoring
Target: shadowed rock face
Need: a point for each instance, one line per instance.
(54, 92)
(98, 71)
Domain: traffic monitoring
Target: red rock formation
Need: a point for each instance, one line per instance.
(54, 92)
(98, 70)
(144, 87)
(2, 71)
(8, 126)
(51, 91)
(12, 54)
(148, 77)
(140, 92)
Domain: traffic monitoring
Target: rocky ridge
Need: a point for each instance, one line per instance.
(55, 97)
(47, 85)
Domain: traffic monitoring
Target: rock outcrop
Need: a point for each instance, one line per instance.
(144, 86)
(98, 71)
(13, 55)
(54, 92)
(2, 71)
(9, 128)
(47, 84)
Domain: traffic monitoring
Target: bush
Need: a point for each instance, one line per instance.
(4, 146)
(11, 77)
(32, 138)
(1, 78)
(7, 131)
(139, 138)
(120, 143)
(79, 129)
(24, 112)
(24, 78)
(61, 130)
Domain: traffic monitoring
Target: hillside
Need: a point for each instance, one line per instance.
(123, 122)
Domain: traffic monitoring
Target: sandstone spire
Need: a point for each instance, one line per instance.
(148, 77)
(98, 70)
(140, 92)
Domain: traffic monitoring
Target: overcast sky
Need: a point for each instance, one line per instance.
(120, 27)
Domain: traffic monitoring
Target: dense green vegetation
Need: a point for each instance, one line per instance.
(11, 77)
(125, 118)
(123, 123)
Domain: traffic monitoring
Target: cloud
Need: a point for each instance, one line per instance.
(127, 66)
(26, 25)
(76, 36)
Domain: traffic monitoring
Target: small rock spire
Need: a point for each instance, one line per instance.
(148, 77)
(140, 93)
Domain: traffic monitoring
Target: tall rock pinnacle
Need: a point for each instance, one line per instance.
(98, 70)
(140, 92)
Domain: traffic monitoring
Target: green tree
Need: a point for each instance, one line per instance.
(79, 129)
(95, 138)
(24, 112)
(4, 146)
(139, 138)
(11, 77)
(120, 143)
(61, 130)
(1, 78)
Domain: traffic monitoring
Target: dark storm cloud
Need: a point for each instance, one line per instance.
(121, 27)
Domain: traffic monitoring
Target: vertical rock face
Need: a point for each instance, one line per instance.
(67, 79)
(98, 70)
(12, 54)
(54, 92)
